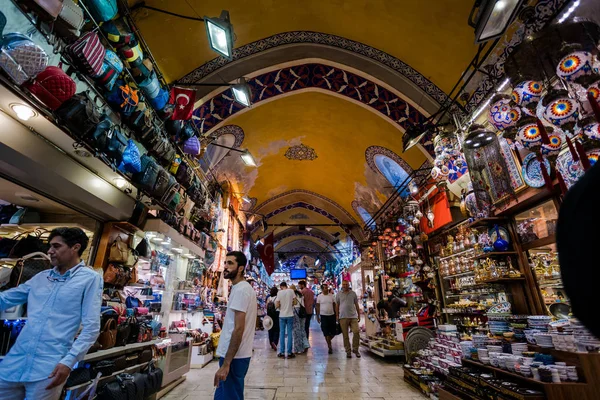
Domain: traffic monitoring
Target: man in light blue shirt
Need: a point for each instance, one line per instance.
(59, 301)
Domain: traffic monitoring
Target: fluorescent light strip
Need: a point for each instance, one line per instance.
(568, 13)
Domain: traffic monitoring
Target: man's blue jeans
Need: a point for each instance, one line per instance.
(286, 324)
(233, 387)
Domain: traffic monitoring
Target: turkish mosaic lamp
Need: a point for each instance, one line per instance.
(502, 114)
(527, 94)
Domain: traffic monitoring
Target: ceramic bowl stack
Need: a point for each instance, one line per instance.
(518, 348)
(562, 335)
(465, 346)
(479, 341)
(543, 340)
(483, 355)
(530, 335)
(492, 348)
(539, 322)
(584, 340)
(517, 325)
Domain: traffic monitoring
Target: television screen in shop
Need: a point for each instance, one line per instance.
(298, 273)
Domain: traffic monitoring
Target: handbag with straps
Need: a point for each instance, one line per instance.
(123, 331)
(70, 21)
(149, 174)
(184, 175)
(52, 87)
(24, 270)
(47, 10)
(88, 53)
(112, 66)
(131, 158)
(123, 98)
(192, 146)
(101, 10)
(143, 248)
(160, 101)
(111, 275)
(162, 184)
(135, 330)
(20, 57)
(79, 114)
(150, 86)
(115, 146)
(108, 336)
(172, 189)
(119, 251)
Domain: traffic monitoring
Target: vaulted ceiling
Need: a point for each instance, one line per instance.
(334, 86)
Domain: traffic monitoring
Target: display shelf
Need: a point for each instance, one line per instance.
(102, 379)
(504, 280)
(119, 350)
(473, 294)
(482, 313)
(456, 254)
(516, 376)
(458, 275)
(21, 228)
(539, 242)
(493, 254)
(485, 221)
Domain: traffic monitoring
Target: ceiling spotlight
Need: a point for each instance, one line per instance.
(245, 199)
(220, 34)
(23, 112)
(248, 159)
(317, 262)
(120, 183)
(491, 18)
(242, 93)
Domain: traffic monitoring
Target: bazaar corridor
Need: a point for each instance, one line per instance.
(315, 375)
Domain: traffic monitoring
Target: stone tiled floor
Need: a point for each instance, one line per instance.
(315, 375)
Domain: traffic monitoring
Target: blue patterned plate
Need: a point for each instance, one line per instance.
(532, 173)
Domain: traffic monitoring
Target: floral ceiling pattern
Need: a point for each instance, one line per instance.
(301, 153)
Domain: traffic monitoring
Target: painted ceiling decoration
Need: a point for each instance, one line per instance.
(301, 152)
(364, 214)
(373, 152)
(234, 130)
(314, 76)
(299, 216)
(314, 233)
(287, 38)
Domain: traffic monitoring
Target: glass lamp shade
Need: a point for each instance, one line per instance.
(374, 244)
(528, 133)
(394, 234)
(556, 141)
(380, 237)
(560, 110)
(387, 230)
(502, 114)
(580, 67)
(526, 95)
(591, 128)
(397, 249)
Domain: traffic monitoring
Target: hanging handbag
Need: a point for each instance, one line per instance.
(24, 270)
(111, 274)
(70, 21)
(143, 248)
(108, 336)
(149, 174)
(46, 10)
(150, 86)
(173, 128)
(78, 376)
(118, 32)
(184, 175)
(192, 146)
(119, 251)
(140, 311)
(20, 57)
(88, 53)
(123, 279)
(123, 98)
(52, 87)
(172, 189)
(123, 331)
(116, 144)
(101, 10)
(145, 356)
(135, 330)
(79, 114)
(161, 185)
(188, 132)
(31, 243)
(131, 158)
(104, 367)
(112, 66)
(168, 156)
(160, 101)
(132, 302)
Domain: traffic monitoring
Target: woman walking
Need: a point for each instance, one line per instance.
(274, 314)
(301, 344)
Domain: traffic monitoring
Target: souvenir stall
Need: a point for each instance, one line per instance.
(508, 329)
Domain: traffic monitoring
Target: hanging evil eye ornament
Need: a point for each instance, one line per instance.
(556, 139)
(526, 95)
(563, 112)
(579, 67)
(529, 134)
(591, 128)
(502, 114)
(593, 96)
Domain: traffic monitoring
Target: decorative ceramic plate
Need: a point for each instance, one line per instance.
(503, 234)
(503, 307)
(532, 172)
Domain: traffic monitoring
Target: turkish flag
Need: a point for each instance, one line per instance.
(267, 253)
(183, 100)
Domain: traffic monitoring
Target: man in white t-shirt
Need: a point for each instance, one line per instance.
(326, 314)
(285, 303)
(237, 335)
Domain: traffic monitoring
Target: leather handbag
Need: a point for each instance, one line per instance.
(132, 302)
(145, 356)
(122, 388)
(105, 367)
(132, 359)
(108, 336)
(118, 32)
(79, 114)
(24, 270)
(47, 10)
(88, 53)
(101, 10)
(172, 189)
(123, 331)
(147, 178)
(173, 127)
(155, 306)
(131, 158)
(99, 138)
(141, 311)
(70, 21)
(123, 98)
(31, 243)
(192, 146)
(184, 175)
(120, 362)
(111, 274)
(162, 184)
(154, 379)
(143, 249)
(112, 66)
(52, 87)
(135, 330)
(78, 376)
(119, 251)
(20, 57)
(123, 279)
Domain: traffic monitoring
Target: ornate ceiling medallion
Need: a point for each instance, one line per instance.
(301, 153)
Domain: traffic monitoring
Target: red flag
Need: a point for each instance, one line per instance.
(183, 99)
(267, 253)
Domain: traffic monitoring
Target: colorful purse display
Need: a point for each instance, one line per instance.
(88, 52)
(112, 66)
(101, 10)
(20, 57)
(52, 87)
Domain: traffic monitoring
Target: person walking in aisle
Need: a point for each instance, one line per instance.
(59, 301)
(309, 305)
(237, 335)
(274, 315)
(285, 303)
(326, 314)
(301, 344)
(347, 315)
